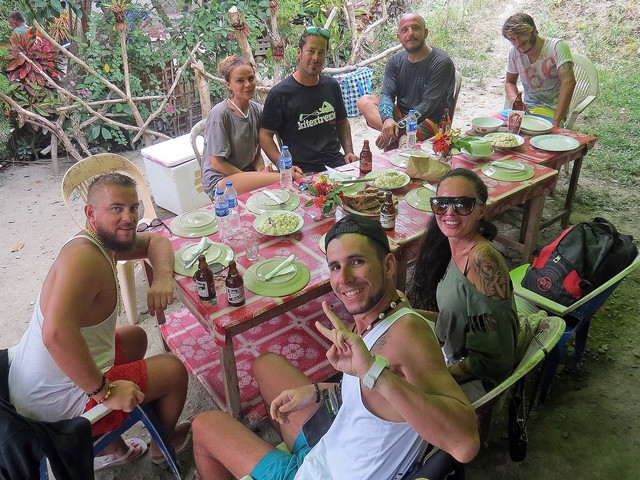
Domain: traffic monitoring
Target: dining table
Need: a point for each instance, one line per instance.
(224, 322)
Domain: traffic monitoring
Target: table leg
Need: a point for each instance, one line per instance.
(230, 377)
(571, 191)
(531, 226)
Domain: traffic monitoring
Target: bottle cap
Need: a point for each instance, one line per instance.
(228, 184)
(284, 147)
(219, 192)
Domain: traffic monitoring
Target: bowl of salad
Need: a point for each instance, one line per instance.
(277, 223)
(387, 179)
(504, 141)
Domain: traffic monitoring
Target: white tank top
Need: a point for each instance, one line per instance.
(37, 387)
(360, 445)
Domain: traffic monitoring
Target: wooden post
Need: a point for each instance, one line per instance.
(202, 86)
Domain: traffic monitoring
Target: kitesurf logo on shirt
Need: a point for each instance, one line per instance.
(324, 114)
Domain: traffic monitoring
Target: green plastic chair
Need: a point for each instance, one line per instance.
(577, 317)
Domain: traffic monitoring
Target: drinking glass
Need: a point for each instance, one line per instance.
(252, 245)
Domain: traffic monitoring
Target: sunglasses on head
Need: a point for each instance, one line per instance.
(322, 31)
(461, 205)
(142, 226)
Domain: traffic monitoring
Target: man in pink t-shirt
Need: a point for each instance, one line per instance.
(544, 66)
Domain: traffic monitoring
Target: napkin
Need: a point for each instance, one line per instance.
(202, 247)
(281, 267)
(337, 174)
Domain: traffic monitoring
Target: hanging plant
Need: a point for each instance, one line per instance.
(118, 7)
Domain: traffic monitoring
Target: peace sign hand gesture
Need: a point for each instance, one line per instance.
(348, 353)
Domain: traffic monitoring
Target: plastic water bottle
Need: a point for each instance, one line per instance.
(412, 127)
(231, 196)
(285, 165)
(222, 215)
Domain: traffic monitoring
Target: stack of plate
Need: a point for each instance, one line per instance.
(532, 125)
(195, 224)
(261, 202)
(508, 170)
(217, 252)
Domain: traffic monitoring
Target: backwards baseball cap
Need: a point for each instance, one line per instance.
(353, 223)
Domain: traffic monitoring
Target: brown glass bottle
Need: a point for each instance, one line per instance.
(204, 281)
(518, 104)
(235, 286)
(445, 122)
(388, 213)
(366, 159)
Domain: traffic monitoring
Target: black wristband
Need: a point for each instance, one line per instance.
(315, 385)
(97, 390)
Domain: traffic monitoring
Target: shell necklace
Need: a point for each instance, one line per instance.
(113, 262)
(244, 115)
(381, 315)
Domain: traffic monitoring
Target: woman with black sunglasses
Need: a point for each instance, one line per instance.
(463, 283)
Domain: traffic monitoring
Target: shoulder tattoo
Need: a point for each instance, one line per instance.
(491, 272)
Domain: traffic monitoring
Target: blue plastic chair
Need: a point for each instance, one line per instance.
(577, 317)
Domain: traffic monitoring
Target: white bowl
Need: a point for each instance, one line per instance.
(486, 124)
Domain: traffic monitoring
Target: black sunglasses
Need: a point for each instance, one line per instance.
(156, 222)
(461, 205)
(321, 30)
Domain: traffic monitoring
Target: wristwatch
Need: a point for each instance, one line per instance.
(379, 364)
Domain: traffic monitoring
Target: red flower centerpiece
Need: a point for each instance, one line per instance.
(446, 144)
(327, 195)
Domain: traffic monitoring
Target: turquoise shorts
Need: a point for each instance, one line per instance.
(279, 465)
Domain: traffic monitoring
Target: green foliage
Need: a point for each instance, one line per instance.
(25, 47)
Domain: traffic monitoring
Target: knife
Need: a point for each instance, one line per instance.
(508, 166)
(274, 197)
(355, 180)
(288, 261)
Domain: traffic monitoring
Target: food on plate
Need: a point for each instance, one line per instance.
(367, 201)
(389, 179)
(279, 224)
(502, 139)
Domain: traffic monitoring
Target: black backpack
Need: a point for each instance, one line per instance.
(581, 259)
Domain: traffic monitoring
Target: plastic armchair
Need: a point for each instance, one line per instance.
(577, 316)
(75, 184)
(197, 138)
(456, 92)
(586, 89)
(141, 413)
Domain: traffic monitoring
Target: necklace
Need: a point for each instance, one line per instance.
(113, 262)
(384, 313)
(244, 115)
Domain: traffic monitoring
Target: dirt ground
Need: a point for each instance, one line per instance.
(589, 428)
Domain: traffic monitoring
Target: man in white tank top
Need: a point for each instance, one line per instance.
(73, 356)
(396, 389)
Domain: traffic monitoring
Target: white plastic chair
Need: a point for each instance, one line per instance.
(586, 89)
(75, 184)
(456, 92)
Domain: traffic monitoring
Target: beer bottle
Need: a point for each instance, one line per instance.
(388, 213)
(366, 160)
(518, 104)
(235, 286)
(203, 279)
(445, 122)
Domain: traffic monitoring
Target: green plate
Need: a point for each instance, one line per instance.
(531, 123)
(507, 175)
(555, 143)
(260, 203)
(352, 188)
(419, 199)
(194, 224)
(376, 173)
(217, 252)
(279, 285)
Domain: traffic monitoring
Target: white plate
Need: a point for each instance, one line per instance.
(489, 136)
(531, 123)
(196, 219)
(260, 219)
(555, 143)
(267, 201)
(373, 175)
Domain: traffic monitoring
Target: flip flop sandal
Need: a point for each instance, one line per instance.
(161, 460)
(112, 460)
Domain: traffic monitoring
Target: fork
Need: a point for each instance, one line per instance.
(310, 215)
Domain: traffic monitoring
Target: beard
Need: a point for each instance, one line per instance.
(415, 49)
(112, 243)
(371, 302)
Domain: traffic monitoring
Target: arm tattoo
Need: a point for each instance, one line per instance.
(493, 277)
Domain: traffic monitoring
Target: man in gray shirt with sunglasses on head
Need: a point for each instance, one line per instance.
(307, 112)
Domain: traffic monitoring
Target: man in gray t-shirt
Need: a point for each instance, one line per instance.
(420, 77)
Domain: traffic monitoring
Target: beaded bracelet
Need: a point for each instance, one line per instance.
(317, 392)
(110, 388)
(99, 389)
